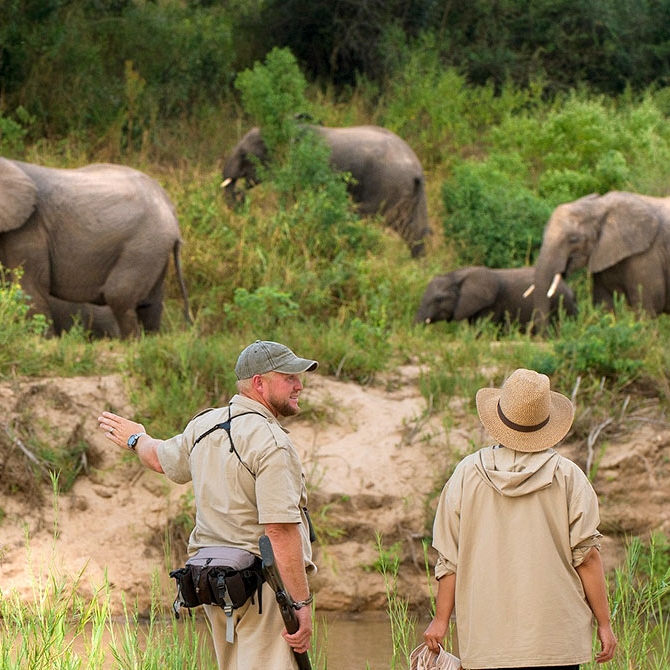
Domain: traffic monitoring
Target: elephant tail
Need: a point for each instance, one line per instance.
(418, 226)
(409, 218)
(182, 285)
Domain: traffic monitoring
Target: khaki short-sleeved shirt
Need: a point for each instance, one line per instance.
(236, 497)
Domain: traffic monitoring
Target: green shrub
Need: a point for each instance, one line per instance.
(492, 219)
(267, 307)
(13, 132)
(180, 374)
(601, 344)
(183, 51)
(272, 94)
(440, 115)
(18, 331)
(587, 145)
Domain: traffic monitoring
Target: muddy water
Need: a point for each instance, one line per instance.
(353, 641)
(356, 642)
(342, 642)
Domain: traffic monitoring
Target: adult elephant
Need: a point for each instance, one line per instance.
(622, 238)
(387, 176)
(101, 234)
(475, 292)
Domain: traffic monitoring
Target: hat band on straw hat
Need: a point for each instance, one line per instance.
(518, 426)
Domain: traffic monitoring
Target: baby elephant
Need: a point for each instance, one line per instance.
(477, 291)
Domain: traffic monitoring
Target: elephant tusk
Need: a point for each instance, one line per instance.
(226, 182)
(529, 290)
(554, 285)
(427, 320)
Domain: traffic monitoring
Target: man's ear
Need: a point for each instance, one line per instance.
(257, 383)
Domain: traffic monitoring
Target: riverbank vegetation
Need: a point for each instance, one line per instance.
(59, 630)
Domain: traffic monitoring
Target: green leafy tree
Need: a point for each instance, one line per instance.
(272, 94)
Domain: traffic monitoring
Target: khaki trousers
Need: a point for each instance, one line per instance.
(258, 643)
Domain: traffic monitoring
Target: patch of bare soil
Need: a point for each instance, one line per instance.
(375, 462)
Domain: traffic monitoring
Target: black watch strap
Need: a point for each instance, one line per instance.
(133, 439)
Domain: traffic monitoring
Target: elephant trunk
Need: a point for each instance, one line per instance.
(232, 195)
(548, 274)
(424, 314)
(418, 249)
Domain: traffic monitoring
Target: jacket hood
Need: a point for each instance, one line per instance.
(515, 473)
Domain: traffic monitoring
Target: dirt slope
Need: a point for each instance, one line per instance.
(374, 464)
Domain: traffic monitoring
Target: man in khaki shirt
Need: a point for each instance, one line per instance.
(243, 489)
(516, 530)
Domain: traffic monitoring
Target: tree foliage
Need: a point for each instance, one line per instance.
(68, 62)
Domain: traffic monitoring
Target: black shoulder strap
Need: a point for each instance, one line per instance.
(226, 426)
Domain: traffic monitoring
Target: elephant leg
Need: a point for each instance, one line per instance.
(127, 320)
(625, 279)
(602, 295)
(134, 304)
(124, 312)
(97, 320)
(645, 284)
(150, 310)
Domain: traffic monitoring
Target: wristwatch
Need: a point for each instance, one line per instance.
(132, 440)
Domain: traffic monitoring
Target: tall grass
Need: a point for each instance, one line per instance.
(640, 605)
(59, 629)
(639, 596)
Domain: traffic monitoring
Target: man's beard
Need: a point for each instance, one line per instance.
(283, 407)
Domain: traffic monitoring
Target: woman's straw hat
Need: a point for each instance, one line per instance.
(525, 415)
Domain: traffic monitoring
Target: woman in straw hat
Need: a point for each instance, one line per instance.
(516, 530)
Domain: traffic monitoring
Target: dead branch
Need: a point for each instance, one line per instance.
(17, 442)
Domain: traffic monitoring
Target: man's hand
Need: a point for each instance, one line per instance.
(300, 641)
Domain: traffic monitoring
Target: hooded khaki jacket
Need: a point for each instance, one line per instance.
(513, 526)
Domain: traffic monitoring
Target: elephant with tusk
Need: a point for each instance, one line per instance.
(622, 238)
(474, 292)
(99, 235)
(388, 178)
(552, 289)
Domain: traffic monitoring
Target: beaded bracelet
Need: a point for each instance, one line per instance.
(301, 603)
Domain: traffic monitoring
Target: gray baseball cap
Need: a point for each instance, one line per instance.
(264, 356)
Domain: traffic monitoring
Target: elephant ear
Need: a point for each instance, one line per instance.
(629, 227)
(18, 194)
(479, 290)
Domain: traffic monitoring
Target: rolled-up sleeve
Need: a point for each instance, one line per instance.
(446, 526)
(173, 455)
(584, 517)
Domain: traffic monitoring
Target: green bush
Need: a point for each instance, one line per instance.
(183, 51)
(267, 307)
(18, 330)
(438, 113)
(586, 145)
(491, 219)
(13, 131)
(602, 344)
(272, 94)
